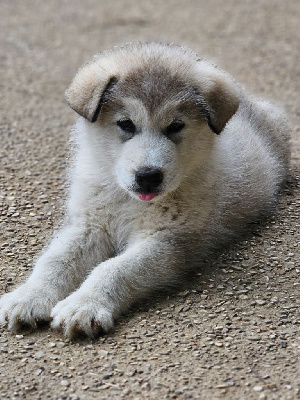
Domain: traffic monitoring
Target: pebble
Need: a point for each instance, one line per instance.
(260, 302)
(39, 354)
(103, 353)
(219, 344)
(262, 396)
(39, 371)
(4, 350)
(254, 338)
(64, 383)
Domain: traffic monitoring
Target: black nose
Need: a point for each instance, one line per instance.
(148, 179)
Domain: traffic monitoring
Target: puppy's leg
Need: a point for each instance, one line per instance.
(60, 270)
(115, 284)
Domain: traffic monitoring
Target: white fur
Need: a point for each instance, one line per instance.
(114, 248)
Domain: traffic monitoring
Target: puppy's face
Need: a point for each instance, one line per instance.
(154, 114)
(160, 136)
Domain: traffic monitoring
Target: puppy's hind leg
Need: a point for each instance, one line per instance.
(61, 268)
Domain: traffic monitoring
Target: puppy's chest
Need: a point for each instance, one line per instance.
(125, 221)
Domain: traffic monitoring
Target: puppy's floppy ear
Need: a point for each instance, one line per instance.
(219, 95)
(91, 86)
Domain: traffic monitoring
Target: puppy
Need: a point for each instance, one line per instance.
(172, 162)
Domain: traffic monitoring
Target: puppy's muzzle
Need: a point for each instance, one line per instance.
(148, 180)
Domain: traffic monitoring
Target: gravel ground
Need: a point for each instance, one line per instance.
(235, 333)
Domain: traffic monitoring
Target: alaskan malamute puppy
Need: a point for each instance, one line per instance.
(172, 161)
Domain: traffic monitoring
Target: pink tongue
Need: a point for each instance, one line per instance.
(146, 196)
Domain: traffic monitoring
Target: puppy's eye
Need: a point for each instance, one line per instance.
(126, 125)
(175, 127)
(172, 131)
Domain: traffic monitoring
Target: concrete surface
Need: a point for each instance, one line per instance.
(235, 333)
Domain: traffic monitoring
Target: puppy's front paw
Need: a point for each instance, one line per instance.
(80, 314)
(25, 307)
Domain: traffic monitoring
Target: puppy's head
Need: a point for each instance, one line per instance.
(157, 108)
